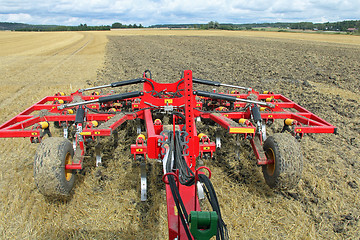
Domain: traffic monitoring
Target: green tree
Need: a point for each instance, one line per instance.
(211, 25)
(117, 25)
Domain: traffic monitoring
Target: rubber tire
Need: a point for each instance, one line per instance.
(285, 173)
(49, 168)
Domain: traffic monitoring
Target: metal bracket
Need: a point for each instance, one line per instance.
(200, 190)
(184, 143)
(168, 108)
(66, 132)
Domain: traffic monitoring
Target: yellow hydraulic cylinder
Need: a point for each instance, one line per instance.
(141, 136)
(43, 125)
(95, 123)
(242, 120)
(289, 121)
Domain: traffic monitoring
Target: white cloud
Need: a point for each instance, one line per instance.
(147, 12)
(16, 17)
(72, 21)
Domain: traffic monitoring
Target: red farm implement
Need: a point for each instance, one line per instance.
(168, 112)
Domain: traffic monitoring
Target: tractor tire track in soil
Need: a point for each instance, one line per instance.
(322, 77)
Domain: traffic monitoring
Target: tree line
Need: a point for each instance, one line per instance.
(81, 27)
(328, 26)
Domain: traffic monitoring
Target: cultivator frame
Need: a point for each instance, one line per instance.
(177, 143)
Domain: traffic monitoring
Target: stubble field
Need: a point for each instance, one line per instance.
(319, 72)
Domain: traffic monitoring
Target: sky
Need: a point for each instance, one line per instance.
(150, 12)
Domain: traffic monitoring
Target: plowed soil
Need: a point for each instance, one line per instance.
(322, 76)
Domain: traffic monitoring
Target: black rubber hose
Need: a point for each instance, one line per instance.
(179, 114)
(256, 113)
(147, 71)
(80, 114)
(206, 82)
(120, 96)
(180, 205)
(127, 82)
(211, 196)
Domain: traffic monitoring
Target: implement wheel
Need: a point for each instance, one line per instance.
(285, 172)
(50, 175)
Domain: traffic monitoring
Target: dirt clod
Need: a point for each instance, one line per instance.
(353, 184)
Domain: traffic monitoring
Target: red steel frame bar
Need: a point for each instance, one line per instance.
(187, 193)
(16, 127)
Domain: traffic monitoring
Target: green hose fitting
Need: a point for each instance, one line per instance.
(203, 225)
